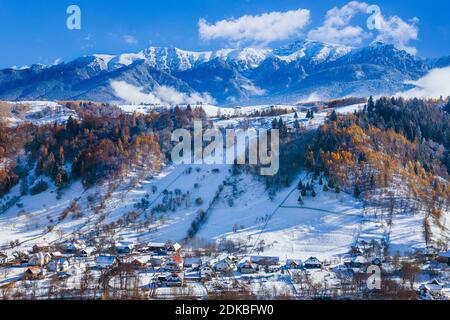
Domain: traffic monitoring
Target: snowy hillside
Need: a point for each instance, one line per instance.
(37, 112)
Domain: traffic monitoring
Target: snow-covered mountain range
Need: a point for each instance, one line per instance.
(229, 76)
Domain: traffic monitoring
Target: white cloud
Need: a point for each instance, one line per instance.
(434, 85)
(162, 95)
(398, 32)
(263, 28)
(253, 90)
(129, 39)
(336, 27)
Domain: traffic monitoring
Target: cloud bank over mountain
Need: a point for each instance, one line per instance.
(435, 84)
(162, 95)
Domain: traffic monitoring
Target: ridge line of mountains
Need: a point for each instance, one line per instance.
(230, 76)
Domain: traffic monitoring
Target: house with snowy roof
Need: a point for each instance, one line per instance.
(247, 267)
(39, 259)
(192, 262)
(139, 263)
(313, 263)
(432, 287)
(34, 273)
(75, 246)
(174, 265)
(358, 262)
(41, 247)
(293, 264)
(265, 261)
(106, 261)
(172, 247)
(444, 257)
(224, 265)
(87, 252)
(58, 265)
(124, 247)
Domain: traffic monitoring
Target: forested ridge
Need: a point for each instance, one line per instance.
(101, 143)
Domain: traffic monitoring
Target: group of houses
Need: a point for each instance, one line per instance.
(171, 266)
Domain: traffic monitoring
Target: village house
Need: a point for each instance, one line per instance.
(3, 258)
(355, 251)
(34, 273)
(75, 246)
(293, 264)
(39, 259)
(192, 263)
(431, 252)
(58, 265)
(431, 288)
(124, 247)
(313, 263)
(21, 256)
(157, 248)
(224, 265)
(247, 267)
(358, 262)
(87, 252)
(139, 263)
(174, 265)
(206, 272)
(41, 247)
(170, 279)
(155, 262)
(172, 248)
(444, 257)
(106, 262)
(56, 255)
(265, 261)
(174, 280)
(75, 270)
(377, 262)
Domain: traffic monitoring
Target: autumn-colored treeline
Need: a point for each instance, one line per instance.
(390, 140)
(345, 102)
(98, 145)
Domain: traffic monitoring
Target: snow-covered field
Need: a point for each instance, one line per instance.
(38, 112)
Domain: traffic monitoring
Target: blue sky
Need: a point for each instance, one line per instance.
(34, 31)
